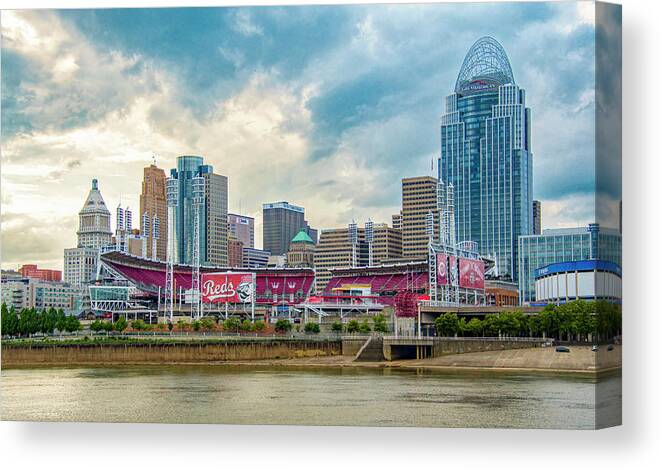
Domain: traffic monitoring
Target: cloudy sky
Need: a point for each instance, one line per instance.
(326, 107)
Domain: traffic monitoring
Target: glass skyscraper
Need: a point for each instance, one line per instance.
(564, 245)
(213, 213)
(485, 154)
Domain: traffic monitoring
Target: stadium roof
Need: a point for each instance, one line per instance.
(485, 62)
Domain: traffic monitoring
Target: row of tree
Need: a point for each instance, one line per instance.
(29, 321)
(573, 321)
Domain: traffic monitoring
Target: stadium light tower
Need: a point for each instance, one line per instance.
(353, 239)
(155, 233)
(198, 201)
(369, 238)
(172, 195)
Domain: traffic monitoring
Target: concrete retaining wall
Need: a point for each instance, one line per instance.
(394, 349)
(165, 353)
(352, 345)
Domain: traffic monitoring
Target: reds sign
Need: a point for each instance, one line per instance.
(227, 287)
(442, 269)
(471, 273)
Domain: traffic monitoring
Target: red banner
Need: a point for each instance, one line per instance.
(471, 273)
(441, 269)
(227, 287)
(453, 271)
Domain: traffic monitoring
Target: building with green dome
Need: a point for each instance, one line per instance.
(301, 250)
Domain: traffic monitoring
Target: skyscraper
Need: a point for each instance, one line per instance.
(212, 212)
(485, 154)
(280, 223)
(536, 217)
(80, 263)
(154, 212)
(418, 200)
(243, 229)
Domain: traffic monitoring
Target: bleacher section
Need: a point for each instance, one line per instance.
(273, 286)
(385, 281)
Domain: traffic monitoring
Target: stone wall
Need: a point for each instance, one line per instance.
(166, 353)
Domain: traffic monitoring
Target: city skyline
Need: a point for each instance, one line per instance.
(357, 130)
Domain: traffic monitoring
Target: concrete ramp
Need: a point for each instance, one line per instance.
(371, 351)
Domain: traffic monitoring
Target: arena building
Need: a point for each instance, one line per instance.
(587, 280)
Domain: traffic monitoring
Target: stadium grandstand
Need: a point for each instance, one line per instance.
(274, 286)
(384, 282)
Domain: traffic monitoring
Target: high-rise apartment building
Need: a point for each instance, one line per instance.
(397, 221)
(154, 212)
(419, 198)
(536, 217)
(80, 263)
(281, 221)
(486, 155)
(212, 213)
(243, 228)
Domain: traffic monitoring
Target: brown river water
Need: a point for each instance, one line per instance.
(309, 396)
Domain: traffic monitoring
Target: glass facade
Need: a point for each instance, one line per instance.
(213, 213)
(564, 245)
(485, 154)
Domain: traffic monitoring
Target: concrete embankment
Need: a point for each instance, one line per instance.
(155, 353)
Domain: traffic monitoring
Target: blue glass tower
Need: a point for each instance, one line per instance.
(485, 154)
(213, 212)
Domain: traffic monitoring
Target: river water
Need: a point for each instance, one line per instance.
(318, 396)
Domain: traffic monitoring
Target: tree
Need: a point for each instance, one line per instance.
(107, 326)
(585, 319)
(208, 323)
(474, 327)
(447, 325)
(181, 325)
(283, 325)
(246, 325)
(96, 326)
(259, 325)
(28, 322)
(138, 325)
(337, 327)
(61, 321)
(548, 321)
(380, 324)
(364, 327)
(9, 321)
(231, 325)
(353, 326)
(72, 324)
(196, 325)
(48, 320)
(121, 324)
(312, 328)
(170, 326)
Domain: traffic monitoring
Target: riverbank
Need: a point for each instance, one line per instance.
(287, 353)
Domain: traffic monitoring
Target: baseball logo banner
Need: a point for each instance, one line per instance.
(471, 273)
(227, 287)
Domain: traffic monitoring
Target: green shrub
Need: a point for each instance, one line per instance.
(312, 328)
(353, 326)
(380, 324)
(283, 325)
(231, 325)
(259, 325)
(337, 327)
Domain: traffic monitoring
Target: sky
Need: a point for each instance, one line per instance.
(327, 107)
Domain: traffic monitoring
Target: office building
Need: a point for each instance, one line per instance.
(397, 221)
(564, 245)
(154, 212)
(301, 251)
(486, 156)
(255, 258)
(212, 213)
(80, 263)
(536, 217)
(281, 221)
(335, 250)
(39, 294)
(418, 200)
(34, 272)
(243, 229)
(234, 252)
